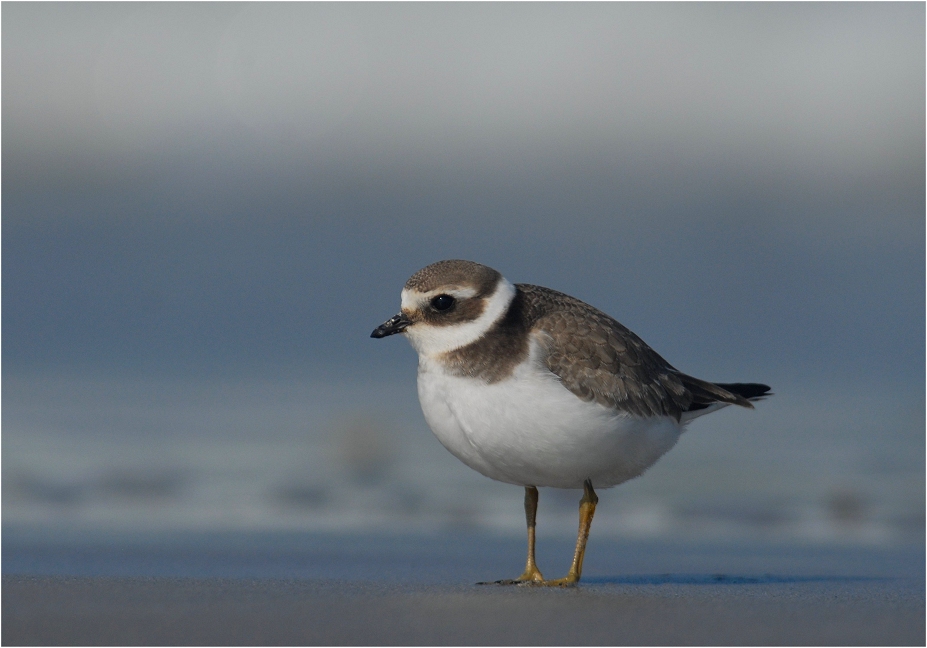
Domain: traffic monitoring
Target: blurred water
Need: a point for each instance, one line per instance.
(445, 558)
(203, 454)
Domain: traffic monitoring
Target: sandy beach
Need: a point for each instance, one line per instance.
(278, 589)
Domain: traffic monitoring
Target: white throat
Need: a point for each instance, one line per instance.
(431, 341)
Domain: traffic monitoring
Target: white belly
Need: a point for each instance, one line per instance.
(530, 430)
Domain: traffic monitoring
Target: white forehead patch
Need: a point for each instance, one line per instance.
(436, 340)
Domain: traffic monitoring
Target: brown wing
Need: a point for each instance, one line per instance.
(600, 360)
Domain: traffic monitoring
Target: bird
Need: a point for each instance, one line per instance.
(535, 388)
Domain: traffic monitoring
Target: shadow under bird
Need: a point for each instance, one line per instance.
(530, 386)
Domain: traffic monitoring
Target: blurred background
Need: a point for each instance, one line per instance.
(207, 208)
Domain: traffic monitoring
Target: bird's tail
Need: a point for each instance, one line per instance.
(711, 396)
(750, 391)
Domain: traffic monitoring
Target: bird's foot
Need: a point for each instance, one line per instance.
(570, 580)
(567, 581)
(531, 576)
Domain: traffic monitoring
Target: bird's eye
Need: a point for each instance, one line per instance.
(442, 302)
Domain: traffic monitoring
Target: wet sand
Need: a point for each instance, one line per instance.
(329, 590)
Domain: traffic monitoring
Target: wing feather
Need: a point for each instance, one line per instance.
(599, 359)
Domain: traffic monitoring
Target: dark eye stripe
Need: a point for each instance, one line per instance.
(442, 302)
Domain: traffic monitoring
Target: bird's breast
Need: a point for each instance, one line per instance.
(529, 429)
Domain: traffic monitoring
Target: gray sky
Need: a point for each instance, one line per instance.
(241, 188)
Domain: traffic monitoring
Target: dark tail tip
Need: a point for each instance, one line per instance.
(750, 391)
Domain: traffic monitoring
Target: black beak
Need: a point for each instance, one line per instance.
(395, 324)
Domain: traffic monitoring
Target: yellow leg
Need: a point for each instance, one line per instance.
(586, 511)
(531, 573)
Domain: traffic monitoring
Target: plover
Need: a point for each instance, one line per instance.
(530, 386)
